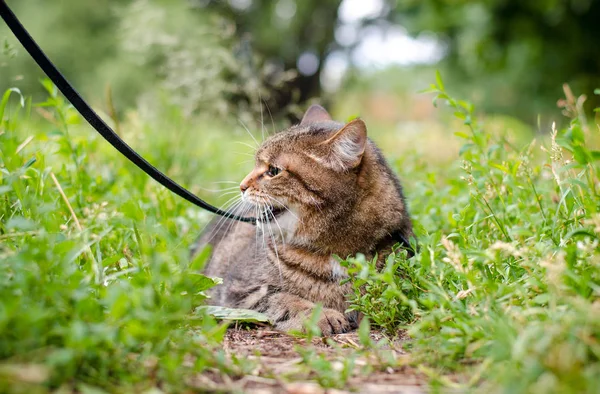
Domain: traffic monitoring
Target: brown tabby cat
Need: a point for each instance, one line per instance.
(319, 189)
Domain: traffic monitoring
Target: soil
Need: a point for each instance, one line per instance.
(278, 361)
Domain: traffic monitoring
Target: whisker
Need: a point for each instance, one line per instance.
(230, 201)
(241, 212)
(246, 144)
(276, 221)
(271, 116)
(262, 123)
(244, 162)
(243, 153)
(223, 220)
(218, 190)
(316, 204)
(262, 229)
(230, 192)
(256, 232)
(286, 208)
(278, 226)
(246, 128)
(273, 239)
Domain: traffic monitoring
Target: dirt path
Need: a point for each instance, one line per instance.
(278, 360)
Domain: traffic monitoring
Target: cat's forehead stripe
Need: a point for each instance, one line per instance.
(299, 131)
(283, 141)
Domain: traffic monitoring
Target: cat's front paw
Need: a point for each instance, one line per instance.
(332, 322)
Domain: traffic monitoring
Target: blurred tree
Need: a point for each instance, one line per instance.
(288, 34)
(511, 56)
(78, 38)
(149, 52)
(517, 52)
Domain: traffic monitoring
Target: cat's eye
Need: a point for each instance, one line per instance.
(273, 171)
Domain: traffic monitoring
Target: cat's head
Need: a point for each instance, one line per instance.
(312, 164)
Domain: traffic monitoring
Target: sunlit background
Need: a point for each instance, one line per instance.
(237, 58)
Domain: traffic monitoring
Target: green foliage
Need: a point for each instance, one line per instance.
(97, 286)
(512, 55)
(507, 275)
(97, 289)
(144, 54)
(386, 296)
(231, 314)
(226, 56)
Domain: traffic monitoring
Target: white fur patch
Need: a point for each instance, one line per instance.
(337, 271)
(285, 226)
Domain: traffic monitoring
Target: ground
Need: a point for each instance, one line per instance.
(277, 356)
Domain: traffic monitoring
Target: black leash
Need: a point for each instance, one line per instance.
(94, 120)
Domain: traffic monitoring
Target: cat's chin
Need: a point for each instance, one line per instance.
(267, 212)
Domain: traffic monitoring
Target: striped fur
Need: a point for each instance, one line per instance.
(334, 195)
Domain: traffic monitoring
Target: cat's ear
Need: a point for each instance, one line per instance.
(315, 114)
(347, 145)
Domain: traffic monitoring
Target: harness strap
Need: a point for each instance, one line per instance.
(96, 122)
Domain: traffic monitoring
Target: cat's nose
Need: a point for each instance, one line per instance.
(244, 186)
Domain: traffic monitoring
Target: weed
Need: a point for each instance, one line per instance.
(98, 290)
(507, 275)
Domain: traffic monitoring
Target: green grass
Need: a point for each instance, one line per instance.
(97, 289)
(93, 299)
(508, 274)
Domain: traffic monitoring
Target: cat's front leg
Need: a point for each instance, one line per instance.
(289, 312)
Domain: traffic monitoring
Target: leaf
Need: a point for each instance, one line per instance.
(431, 89)
(5, 98)
(577, 134)
(203, 282)
(239, 315)
(20, 223)
(201, 258)
(581, 232)
(29, 163)
(466, 105)
(460, 115)
(48, 86)
(438, 80)
(595, 154)
(465, 148)
(581, 155)
(351, 118)
(364, 329)
(500, 167)
(541, 299)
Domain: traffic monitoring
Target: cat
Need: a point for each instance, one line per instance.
(319, 189)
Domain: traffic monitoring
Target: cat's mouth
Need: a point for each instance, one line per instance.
(265, 212)
(268, 214)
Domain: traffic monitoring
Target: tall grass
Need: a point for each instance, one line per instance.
(96, 284)
(97, 290)
(508, 273)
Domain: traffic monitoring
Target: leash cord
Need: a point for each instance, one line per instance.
(96, 122)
